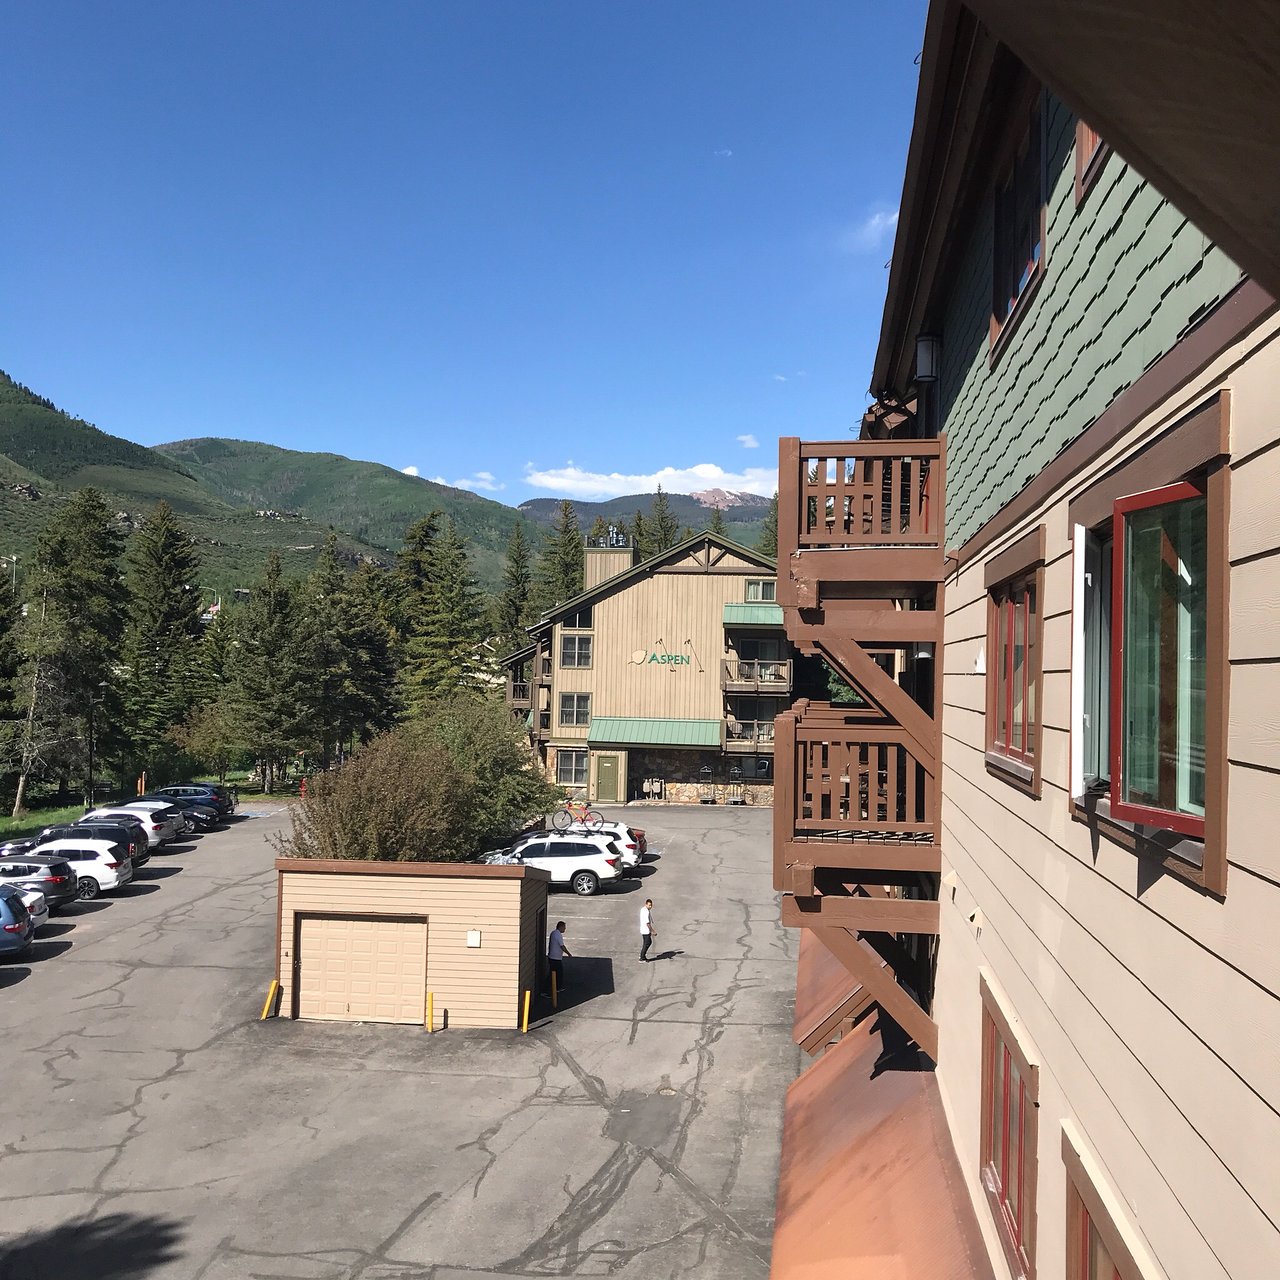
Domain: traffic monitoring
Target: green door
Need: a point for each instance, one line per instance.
(607, 779)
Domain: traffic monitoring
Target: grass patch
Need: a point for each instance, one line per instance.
(35, 820)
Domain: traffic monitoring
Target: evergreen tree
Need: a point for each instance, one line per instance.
(559, 573)
(665, 526)
(271, 674)
(599, 535)
(767, 543)
(718, 525)
(444, 644)
(513, 600)
(414, 586)
(72, 641)
(642, 536)
(162, 634)
(374, 698)
(685, 534)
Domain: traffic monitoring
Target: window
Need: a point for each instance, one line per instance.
(1009, 1111)
(1019, 225)
(760, 648)
(575, 709)
(760, 590)
(1014, 636)
(571, 768)
(1091, 155)
(575, 651)
(1096, 667)
(1096, 1250)
(580, 621)
(1159, 658)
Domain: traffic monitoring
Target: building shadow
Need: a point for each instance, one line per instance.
(120, 1246)
(587, 978)
(898, 1052)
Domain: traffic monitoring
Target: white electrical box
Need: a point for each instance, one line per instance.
(473, 937)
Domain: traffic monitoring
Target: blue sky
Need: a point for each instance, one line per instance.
(532, 248)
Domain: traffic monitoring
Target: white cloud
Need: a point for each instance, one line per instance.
(724, 153)
(409, 471)
(748, 441)
(482, 481)
(780, 377)
(575, 482)
(871, 234)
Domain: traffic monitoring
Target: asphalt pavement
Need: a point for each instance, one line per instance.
(153, 1127)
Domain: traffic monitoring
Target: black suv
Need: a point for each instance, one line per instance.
(212, 794)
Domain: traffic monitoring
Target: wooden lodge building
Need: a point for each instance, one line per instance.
(662, 678)
(1038, 872)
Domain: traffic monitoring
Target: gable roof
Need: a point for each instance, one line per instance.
(652, 565)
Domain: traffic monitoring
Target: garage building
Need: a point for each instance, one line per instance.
(366, 941)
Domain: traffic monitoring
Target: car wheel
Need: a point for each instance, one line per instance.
(585, 883)
(87, 889)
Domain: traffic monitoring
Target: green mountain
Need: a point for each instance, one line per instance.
(46, 453)
(372, 502)
(744, 513)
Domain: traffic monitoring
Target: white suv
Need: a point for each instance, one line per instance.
(100, 865)
(583, 862)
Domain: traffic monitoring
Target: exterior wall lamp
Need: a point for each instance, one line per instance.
(928, 357)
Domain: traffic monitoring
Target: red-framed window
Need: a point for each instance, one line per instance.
(1091, 155)
(1018, 258)
(1159, 658)
(1096, 1249)
(1095, 1261)
(1009, 1142)
(1014, 695)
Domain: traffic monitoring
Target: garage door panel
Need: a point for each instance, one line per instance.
(362, 969)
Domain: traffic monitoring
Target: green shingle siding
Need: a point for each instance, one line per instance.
(1126, 275)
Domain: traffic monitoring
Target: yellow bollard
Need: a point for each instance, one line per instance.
(555, 995)
(431, 1011)
(271, 995)
(524, 1024)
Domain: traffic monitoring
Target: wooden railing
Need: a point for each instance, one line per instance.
(855, 494)
(848, 775)
(755, 675)
(520, 693)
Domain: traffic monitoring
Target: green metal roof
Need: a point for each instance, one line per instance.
(753, 615)
(631, 732)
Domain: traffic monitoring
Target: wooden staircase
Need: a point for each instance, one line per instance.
(857, 788)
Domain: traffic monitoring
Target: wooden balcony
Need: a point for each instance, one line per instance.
(748, 737)
(519, 695)
(742, 675)
(865, 511)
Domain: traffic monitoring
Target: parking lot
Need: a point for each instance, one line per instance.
(153, 1127)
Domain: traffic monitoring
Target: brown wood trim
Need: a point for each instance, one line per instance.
(896, 1002)
(1030, 1070)
(1218, 676)
(1088, 169)
(876, 915)
(355, 867)
(1083, 1195)
(1027, 553)
(1002, 334)
(866, 855)
(1011, 772)
(852, 1006)
(279, 919)
(1239, 313)
(1187, 446)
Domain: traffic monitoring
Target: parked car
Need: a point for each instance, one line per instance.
(55, 877)
(165, 810)
(623, 837)
(16, 846)
(210, 793)
(38, 905)
(16, 929)
(195, 816)
(583, 862)
(124, 832)
(153, 828)
(100, 865)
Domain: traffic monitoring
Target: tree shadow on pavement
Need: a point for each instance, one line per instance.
(120, 1246)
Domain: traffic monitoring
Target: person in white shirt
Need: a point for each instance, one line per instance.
(647, 933)
(556, 952)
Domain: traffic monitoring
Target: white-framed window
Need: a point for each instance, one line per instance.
(571, 768)
(575, 709)
(575, 651)
(761, 590)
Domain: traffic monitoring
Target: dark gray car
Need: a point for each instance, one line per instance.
(53, 876)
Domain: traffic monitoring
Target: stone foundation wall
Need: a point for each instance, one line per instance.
(683, 783)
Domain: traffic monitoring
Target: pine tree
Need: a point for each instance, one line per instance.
(642, 536)
(271, 673)
(513, 600)
(665, 526)
(718, 525)
(162, 633)
(71, 642)
(599, 535)
(767, 543)
(559, 573)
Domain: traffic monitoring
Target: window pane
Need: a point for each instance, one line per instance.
(1001, 659)
(1030, 707)
(1097, 660)
(1100, 1265)
(997, 1110)
(1165, 639)
(1018, 673)
(1013, 1179)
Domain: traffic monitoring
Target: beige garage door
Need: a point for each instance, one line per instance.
(362, 969)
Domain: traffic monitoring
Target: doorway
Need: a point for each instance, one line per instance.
(607, 779)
